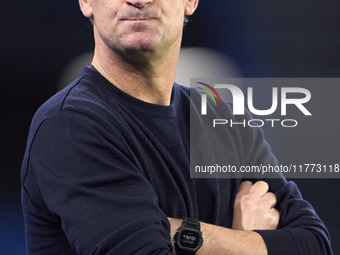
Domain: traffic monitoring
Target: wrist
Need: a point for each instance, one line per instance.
(188, 238)
(174, 225)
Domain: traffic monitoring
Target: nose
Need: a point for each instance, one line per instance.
(139, 3)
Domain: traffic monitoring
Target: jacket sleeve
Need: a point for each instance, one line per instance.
(93, 188)
(300, 230)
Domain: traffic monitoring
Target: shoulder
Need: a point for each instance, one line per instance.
(84, 96)
(80, 103)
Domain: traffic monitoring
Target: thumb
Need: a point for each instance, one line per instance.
(243, 189)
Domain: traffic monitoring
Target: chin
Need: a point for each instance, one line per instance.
(140, 42)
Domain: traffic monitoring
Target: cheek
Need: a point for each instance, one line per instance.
(176, 17)
(104, 12)
(105, 22)
(175, 25)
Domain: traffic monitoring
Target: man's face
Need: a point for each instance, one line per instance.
(139, 25)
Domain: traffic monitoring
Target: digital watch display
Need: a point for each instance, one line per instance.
(188, 238)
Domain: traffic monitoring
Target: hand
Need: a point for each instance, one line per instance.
(254, 207)
(174, 225)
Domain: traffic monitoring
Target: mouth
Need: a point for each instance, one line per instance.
(136, 19)
(137, 15)
(140, 19)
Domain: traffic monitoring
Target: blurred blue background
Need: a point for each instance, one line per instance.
(293, 38)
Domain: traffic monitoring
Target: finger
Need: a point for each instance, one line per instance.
(270, 199)
(275, 218)
(244, 188)
(260, 188)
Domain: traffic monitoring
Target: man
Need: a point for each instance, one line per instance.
(106, 170)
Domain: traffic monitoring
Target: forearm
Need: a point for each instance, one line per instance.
(220, 240)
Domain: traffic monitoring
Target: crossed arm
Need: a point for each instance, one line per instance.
(99, 211)
(253, 209)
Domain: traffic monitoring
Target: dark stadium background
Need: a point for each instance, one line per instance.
(294, 38)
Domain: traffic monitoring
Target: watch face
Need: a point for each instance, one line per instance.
(189, 239)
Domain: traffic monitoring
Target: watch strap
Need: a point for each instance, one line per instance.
(188, 223)
(183, 252)
(191, 223)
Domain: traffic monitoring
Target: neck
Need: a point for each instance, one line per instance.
(149, 78)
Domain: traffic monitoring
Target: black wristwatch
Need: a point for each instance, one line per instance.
(188, 238)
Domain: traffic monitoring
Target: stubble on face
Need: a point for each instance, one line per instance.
(139, 30)
(128, 29)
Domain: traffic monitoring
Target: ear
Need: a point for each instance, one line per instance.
(86, 8)
(190, 7)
